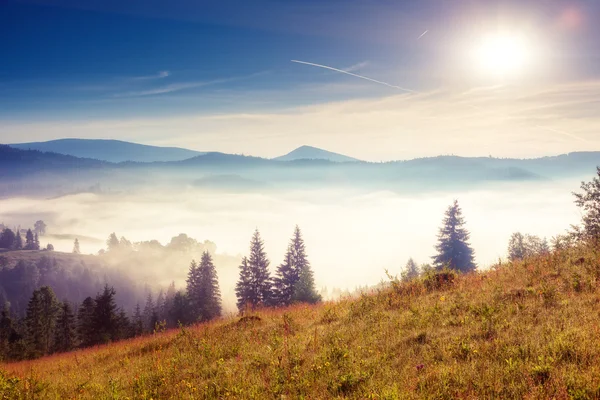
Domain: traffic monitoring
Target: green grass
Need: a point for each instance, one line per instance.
(525, 330)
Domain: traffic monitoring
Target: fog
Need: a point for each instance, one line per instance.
(352, 237)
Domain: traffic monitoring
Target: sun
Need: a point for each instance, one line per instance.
(502, 54)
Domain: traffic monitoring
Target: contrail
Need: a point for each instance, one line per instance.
(355, 75)
(423, 34)
(414, 91)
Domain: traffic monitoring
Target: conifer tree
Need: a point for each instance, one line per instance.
(150, 317)
(85, 322)
(160, 306)
(36, 242)
(193, 291)
(66, 334)
(112, 243)
(124, 328)
(7, 239)
(138, 321)
(243, 286)
(453, 248)
(40, 321)
(18, 241)
(295, 268)
(208, 296)
(29, 240)
(105, 317)
(76, 249)
(411, 270)
(179, 311)
(7, 332)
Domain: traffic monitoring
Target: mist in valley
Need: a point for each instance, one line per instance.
(352, 236)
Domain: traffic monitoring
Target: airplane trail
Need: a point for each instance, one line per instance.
(355, 75)
(562, 133)
(423, 34)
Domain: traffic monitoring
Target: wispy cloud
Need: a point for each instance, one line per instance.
(174, 87)
(356, 67)
(158, 75)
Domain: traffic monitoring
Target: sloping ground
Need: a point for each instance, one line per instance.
(524, 330)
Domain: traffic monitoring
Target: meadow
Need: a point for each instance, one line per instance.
(528, 329)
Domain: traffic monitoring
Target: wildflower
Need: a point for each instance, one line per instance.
(420, 367)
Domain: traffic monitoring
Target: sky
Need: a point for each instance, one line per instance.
(502, 78)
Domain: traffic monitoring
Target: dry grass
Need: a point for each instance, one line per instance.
(523, 330)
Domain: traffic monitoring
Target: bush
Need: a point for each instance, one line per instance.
(439, 279)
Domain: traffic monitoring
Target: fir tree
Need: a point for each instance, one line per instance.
(294, 268)
(453, 249)
(7, 332)
(105, 318)
(209, 294)
(29, 240)
(260, 283)
(411, 270)
(150, 317)
(18, 241)
(124, 329)
(193, 291)
(40, 321)
(242, 287)
(161, 306)
(85, 322)
(76, 249)
(179, 312)
(138, 321)
(66, 334)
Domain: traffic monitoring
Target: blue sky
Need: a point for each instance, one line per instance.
(131, 69)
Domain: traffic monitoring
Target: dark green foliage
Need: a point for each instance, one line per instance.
(453, 247)
(203, 289)
(65, 338)
(179, 311)
(124, 326)
(105, 318)
(85, 322)
(243, 288)
(7, 239)
(254, 287)
(8, 333)
(304, 290)
(40, 321)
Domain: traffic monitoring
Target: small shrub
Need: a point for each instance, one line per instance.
(439, 280)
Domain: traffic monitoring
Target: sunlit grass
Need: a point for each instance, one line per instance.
(525, 330)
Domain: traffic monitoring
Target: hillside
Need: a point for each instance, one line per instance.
(522, 330)
(110, 150)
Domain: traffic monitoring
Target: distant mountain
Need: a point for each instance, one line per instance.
(110, 150)
(314, 153)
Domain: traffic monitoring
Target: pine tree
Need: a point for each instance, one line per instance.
(179, 312)
(411, 271)
(289, 273)
(40, 321)
(65, 338)
(105, 318)
(242, 287)
(18, 241)
(209, 294)
(29, 240)
(76, 249)
(193, 291)
(150, 317)
(7, 332)
(261, 282)
(138, 321)
(160, 306)
(124, 328)
(85, 322)
(453, 249)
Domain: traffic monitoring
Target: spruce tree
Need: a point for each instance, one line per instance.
(76, 249)
(105, 317)
(243, 286)
(124, 329)
(453, 248)
(295, 280)
(7, 332)
(411, 270)
(18, 241)
(29, 240)
(160, 306)
(209, 294)
(179, 312)
(85, 322)
(40, 321)
(150, 317)
(65, 338)
(193, 291)
(138, 321)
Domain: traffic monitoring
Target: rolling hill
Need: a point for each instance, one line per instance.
(110, 150)
(314, 153)
(526, 329)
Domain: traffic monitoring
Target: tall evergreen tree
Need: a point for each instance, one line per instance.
(243, 286)
(161, 306)
(208, 296)
(179, 312)
(18, 241)
(105, 320)
(138, 321)
(7, 239)
(112, 243)
(150, 317)
(65, 338)
(193, 291)
(453, 248)
(29, 240)
(76, 248)
(85, 322)
(294, 269)
(124, 329)
(7, 332)
(40, 321)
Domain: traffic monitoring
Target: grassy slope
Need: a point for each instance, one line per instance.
(523, 330)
